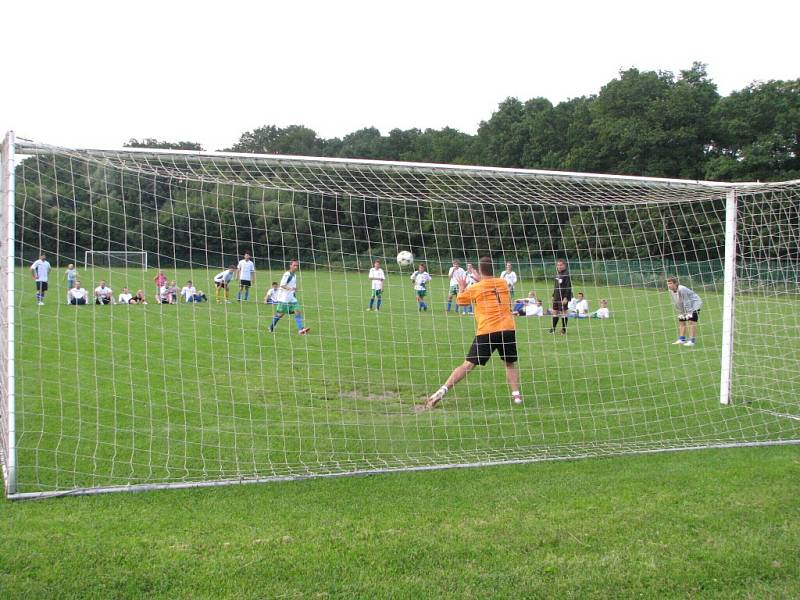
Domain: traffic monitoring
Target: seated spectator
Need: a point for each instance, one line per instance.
(200, 296)
(534, 309)
(168, 294)
(124, 297)
(272, 294)
(138, 298)
(77, 294)
(602, 312)
(519, 308)
(582, 306)
(188, 292)
(572, 307)
(103, 294)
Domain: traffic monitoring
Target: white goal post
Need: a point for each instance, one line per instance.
(102, 258)
(218, 386)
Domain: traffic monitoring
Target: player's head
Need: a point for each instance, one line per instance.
(274, 284)
(377, 264)
(77, 284)
(247, 256)
(531, 294)
(421, 267)
(456, 263)
(485, 266)
(70, 266)
(232, 268)
(42, 257)
(604, 303)
(580, 295)
(508, 266)
(294, 265)
(189, 282)
(561, 265)
(124, 290)
(102, 283)
(672, 284)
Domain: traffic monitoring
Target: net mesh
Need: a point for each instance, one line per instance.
(195, 392)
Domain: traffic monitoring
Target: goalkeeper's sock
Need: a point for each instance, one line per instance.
(299, 320)
(555, 323)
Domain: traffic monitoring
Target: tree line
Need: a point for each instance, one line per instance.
(641, 123)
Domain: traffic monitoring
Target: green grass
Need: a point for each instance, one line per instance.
(712, 524)
(122, 395)
(109, 395)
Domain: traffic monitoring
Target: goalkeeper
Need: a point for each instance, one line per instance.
(688, 304)
(495, 330)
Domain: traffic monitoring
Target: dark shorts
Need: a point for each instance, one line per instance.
(505, 342)
(221, 285)
(41, 286)
(695, 316)
(77, 301)
(102, 300)
(559, 308)
(244, 283)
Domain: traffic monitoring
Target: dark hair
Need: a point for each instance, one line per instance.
(274, 283)
(485, 266)
(672, 280)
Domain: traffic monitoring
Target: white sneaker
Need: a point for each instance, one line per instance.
(689, 343)
(516, 398)
(678, 342)
(41, 303)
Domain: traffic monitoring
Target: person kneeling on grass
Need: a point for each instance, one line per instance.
(688, 304)
(495, 331)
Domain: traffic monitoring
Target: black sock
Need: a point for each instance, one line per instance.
(555, 322)
(564, 323)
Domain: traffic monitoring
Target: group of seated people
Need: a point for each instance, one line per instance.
(167, 294)
(578, 307)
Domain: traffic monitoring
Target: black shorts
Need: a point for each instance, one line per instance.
(244, 283)
(41, 286)
(695, 316)
(102, 300)
(222, 285)
(505, 342)
(77, 301)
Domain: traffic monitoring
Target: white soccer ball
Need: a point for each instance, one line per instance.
(405, 258)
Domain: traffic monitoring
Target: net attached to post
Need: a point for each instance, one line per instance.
(117, 396)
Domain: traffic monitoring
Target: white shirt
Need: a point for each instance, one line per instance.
(471, 279)
(532, 309)
(602, 313)
(225, 276)
(246, 269)
(420, 280)
(510, 278)
(572, 305)
(124, 298)
(377, 276)
(288, 286)
(41, 268)
(685, 300)
(103, 292)
(456, 273)
(582, 307)
(188, 291)
(77, 293)
(272, 296)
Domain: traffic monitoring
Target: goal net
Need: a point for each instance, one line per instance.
(108, 258)
(104, 397)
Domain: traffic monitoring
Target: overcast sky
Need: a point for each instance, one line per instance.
(94, 74)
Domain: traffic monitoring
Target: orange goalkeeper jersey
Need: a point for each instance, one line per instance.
(492, 305)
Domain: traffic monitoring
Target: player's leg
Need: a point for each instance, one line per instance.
(506, 344)
(280, 310)
(371, 300)
(564, 321)
(379, 296)
(681, 332)
(692, 321)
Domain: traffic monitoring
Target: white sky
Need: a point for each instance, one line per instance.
(94, 74)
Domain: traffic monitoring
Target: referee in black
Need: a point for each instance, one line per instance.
(562, 294)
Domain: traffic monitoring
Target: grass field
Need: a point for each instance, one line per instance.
(109, 395)
(122, 395)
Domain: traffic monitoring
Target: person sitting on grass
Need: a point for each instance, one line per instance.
(602, 312)
(124, 297)
(103, 294)
(77, 295)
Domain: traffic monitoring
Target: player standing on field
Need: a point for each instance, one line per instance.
(40, 270)
(455, 273)
(495, 331)
(562, 294)
(246, 272)
(377, 277)
(287, 301)
(421, 279)
(510, 278)
(688, 304)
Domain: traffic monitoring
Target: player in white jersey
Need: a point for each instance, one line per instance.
(688, 304)
(287, 301)
(124, 297)
(271, 296)
(510, 278)
(421, 279)
(246, 271)
(470, 281)
(103, 294)
(78, 294)
(582, 306)
(455, 273)
(376, 277)
(222, 282)
(40, 270)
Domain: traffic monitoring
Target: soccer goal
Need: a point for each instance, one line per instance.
(114, 258)
(120, 397)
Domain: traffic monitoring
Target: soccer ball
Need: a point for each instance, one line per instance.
(405, 258)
